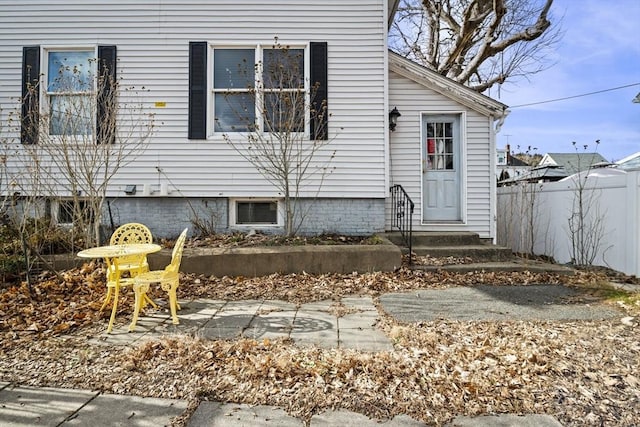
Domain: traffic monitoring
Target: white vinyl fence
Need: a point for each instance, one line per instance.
(589, 218)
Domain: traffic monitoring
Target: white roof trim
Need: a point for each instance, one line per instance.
(447, 87)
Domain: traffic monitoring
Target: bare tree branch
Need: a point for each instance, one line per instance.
(278, 145)
(479, 43)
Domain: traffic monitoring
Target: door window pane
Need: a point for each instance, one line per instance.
(440, 146)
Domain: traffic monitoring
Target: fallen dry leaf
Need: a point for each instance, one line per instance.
(584, 373)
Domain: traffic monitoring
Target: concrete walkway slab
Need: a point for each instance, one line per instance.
(484, 302)
(31, 406)
(364, 340)
(324, 305)
(116, 410)
(326, 339)
(505, 420)
(217, 414)
(344, 418)
(362, 303)
(271, 325)
(363, 320)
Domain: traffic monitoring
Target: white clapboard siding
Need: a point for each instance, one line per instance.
(152, 38)
(413, 99)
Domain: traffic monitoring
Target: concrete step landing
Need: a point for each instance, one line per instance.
(454, 244)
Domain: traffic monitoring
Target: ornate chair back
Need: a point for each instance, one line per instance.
(132, 232)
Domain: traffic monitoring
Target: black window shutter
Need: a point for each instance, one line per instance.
(30, 94)
(319, 83)
(197, 90)
(107, 74)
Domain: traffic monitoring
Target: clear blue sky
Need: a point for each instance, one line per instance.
(600, 50)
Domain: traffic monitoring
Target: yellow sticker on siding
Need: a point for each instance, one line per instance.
(160, 104)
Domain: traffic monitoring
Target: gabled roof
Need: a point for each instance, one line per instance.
(514, 161)
(572, 162)
(630, 162)
(445, 86)
(544, 173)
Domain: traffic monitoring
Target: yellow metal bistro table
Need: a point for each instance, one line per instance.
(111, 254)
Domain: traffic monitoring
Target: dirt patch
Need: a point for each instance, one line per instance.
(243, 240)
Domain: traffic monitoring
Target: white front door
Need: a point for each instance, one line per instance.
(441, 168)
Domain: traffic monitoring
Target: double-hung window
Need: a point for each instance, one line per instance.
(258, 88)
(70, 91)
(234, 80)
(262, 89)
(284, 97)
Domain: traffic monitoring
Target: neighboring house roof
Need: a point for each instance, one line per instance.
(539, 173)
(447, 87)
(630, 162)
(514, 161)
(572, 162)
(603, 172)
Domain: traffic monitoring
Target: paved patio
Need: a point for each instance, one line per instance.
(313, 324)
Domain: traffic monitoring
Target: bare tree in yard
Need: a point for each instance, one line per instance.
(478, 43)
(586, 225)
(520, 216)
(22, 214)
(283, 128)
(80, 126)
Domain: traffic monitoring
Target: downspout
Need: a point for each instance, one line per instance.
(492, 162)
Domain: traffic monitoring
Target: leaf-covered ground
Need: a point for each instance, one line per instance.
(584, 373)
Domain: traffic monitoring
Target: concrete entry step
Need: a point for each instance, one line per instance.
(437, 238)
(512, 265)
(476, 252)
(452, 244)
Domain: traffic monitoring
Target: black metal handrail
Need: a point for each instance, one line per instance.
(402, 215)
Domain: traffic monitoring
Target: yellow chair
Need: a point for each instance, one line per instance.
(169, 279)
(114, 284)
(135, 264)
(132, 232)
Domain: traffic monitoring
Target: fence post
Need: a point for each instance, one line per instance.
(632, 245)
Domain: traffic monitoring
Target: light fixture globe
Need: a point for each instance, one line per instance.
(393, 118)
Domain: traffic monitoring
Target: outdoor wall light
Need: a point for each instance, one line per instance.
(130, 189)
(393, 118)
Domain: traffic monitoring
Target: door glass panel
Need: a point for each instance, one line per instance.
(440, 146)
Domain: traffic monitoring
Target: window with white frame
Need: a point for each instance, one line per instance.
(502, 157)
(66, 211)
(234, 77)
(259, 88)
(254, 212)
(70, 91)
(222, 90)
